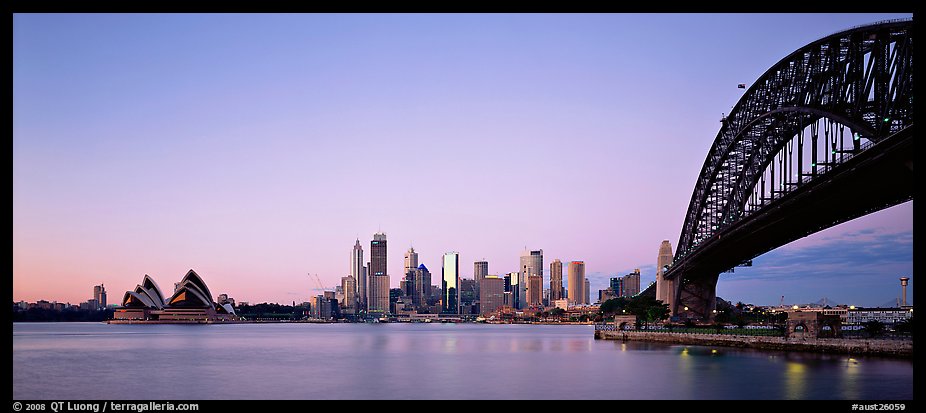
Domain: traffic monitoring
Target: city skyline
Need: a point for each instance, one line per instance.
(264, 156)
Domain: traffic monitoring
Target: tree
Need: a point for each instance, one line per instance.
(873, 328)
(557, 312)
(613, 306)
(905, 326)
(719, 327)
(648, 309)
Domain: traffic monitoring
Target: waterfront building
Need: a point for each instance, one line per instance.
(556, 280)
(421, 286)
(665, 289)
(516, 290)
(534, 291)
(561, 303)
(450, 283)
(468, 296)
(349, 288)
(632, 283)
(99, 294)
(531, 265)
(576, 282)
(358, 271)
(480, 270)
(191, 302)
(491, 294)
(888, 316)
(378, 295)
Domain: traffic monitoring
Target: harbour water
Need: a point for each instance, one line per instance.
(419, 361)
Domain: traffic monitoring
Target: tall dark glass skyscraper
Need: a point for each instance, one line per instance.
(450, 284)
(378, 300)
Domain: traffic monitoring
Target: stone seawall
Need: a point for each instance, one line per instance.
(878, 347)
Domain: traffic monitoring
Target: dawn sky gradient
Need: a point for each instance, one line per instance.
(255, 148)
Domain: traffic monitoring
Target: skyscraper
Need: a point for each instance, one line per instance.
(422, 286)
(378, 299)
(531, 265)
(99, 294)
(534, 290)
(632, 283)
(516, 290)
(411, 260)
(450, 284)
(492, 294)
(357, 270)
(664, 288)
(480, 270)
(556, 280)
(349, 289)
(576, 281)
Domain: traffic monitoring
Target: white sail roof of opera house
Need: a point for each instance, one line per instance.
(191, 292)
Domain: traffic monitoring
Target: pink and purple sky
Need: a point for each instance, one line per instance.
(255, 148)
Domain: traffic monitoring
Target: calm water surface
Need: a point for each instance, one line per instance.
(418, 361)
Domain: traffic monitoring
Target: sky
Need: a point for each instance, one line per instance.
(256, 148)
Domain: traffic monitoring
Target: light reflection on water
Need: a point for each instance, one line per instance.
(417, 361)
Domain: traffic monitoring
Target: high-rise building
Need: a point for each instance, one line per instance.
(378, 296)
(516, 290)
(491, 294)
(576, 282)
(450, 284)
(411, 260)
(531, 264)
(468, 296)
(422, 286)
(534, 290)
(99, 294)
(632, 283)
(665, 289)
(556, 280)
(617, 286)
(349, 288)
(358, 271)
(480, 270)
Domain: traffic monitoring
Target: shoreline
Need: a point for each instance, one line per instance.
(853, 346)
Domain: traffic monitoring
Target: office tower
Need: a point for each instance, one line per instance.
(632, 283)
(480, 270)
(534, 290)
(422, 286)
(556, 280)
(358, 271)
(349, 288)
(450, 284)
(617, 286)
(531, 264)
(378, 295)
(99, 294)
(575, 279)
(588, 292)
(516, 290)
(664, 288)
(468, 296)
(411, 260)
(491, 294)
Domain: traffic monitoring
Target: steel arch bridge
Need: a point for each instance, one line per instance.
(824, 136)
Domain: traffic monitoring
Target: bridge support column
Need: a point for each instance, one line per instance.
(696, 298)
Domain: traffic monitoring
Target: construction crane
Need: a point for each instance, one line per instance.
(318, 282)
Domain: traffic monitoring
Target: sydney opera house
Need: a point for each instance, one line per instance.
(191, 302)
